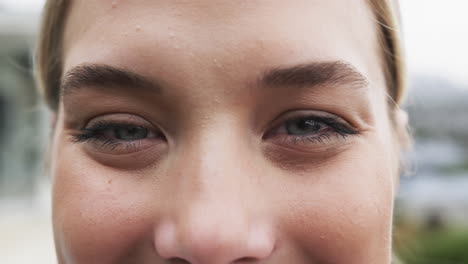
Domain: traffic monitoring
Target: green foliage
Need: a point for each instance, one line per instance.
(436, 247)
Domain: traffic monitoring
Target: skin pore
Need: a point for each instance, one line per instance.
(211, 132)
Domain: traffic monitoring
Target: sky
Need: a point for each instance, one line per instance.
(22, 5)
(435, 35)
(436, 38)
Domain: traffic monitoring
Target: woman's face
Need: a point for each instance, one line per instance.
(211, 132)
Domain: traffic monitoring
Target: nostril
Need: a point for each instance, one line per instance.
(245, 260)
(178, 261)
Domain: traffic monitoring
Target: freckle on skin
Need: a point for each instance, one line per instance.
(109, 181)
(114, 4)
(138, 28)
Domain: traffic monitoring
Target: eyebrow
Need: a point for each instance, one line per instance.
(303, 75)
(314, 74)
(101, 75)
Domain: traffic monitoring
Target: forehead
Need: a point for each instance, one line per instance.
(194, 34)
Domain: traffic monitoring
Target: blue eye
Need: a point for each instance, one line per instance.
(307, 129)
(119, 134)
(109, 132)
(303, 126)
(113, 135)
(128, 133)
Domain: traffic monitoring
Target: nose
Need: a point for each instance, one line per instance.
(214, 219)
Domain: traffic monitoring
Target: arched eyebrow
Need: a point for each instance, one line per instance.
(303, 75)
(314, 74)
(105, 76)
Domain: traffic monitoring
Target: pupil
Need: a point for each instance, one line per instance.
(302, 127)
(131, 133)
(303, 124)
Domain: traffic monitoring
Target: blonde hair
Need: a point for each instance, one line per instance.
(49, 53)
(387, 14)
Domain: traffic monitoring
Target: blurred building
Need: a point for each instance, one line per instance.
(22, 130)
(25, 225)
(436, 187)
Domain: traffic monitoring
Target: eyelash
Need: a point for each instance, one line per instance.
(95, 133)
(337, 127)
(334, 127)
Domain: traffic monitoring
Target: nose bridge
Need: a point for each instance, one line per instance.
(211, 221)
(212, 193)
(215, 182)
(214, 161)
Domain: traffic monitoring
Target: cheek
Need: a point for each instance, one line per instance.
(97, 212)
(343, 215)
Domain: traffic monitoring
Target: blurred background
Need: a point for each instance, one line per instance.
(431, 214)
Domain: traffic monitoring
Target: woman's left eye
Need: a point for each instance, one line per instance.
(311, 129)
(303, 126)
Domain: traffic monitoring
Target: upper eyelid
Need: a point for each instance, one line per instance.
(291, 115)
(130, 119)
(112, 125)
(296, 113)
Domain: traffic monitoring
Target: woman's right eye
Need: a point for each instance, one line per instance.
(124, 132)
(117, 137)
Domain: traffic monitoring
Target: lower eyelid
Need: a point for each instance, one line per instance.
(311, 137)
(121, 147)
(329, 138)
